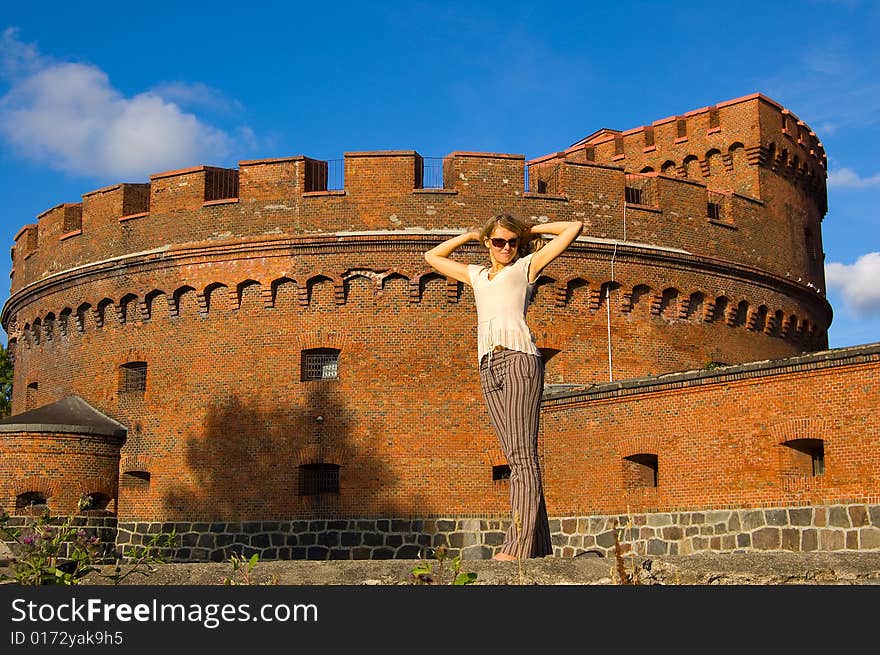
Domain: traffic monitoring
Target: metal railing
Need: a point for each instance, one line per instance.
(221, 184)
(433, 173)
(640, 190)
(324, 175)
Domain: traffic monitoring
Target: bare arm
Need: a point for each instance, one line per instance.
(438, 257)
(565, 232)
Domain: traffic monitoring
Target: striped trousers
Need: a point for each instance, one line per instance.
(512, 383)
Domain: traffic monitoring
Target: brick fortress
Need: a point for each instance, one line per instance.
(260, 358)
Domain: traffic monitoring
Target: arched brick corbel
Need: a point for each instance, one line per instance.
(636, 444)
(807, 427)
(319, 454)
(727, 159)
(39, 483)
(136, 463)
(494, 456)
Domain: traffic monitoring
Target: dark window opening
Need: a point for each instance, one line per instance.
(316, 479)
(319, 364)
(714, 120)
(136, 480)
(681, 128)
(30, 399)
(713, 210)
(500, 472)
(30, 501)
(805, 457)
(133, 377)
(640, 470)
(633, 196)
(98, 504)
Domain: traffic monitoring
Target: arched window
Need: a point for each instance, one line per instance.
(30, 501)
(640, 470)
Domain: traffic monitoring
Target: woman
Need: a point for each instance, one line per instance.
(511, 368)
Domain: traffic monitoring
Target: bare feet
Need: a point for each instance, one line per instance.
(504, 557)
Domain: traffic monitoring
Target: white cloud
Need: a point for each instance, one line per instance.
(846, 178)
(857, 284)
(70, 117)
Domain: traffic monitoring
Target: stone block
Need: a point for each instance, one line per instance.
(659, 520)
(657, 547)
(800, 516)
(830, 539)
(858, 515)
(791, 539)
(766, 538)
(809, 540)
(752, 520)
(838, 517)
(776, 517)
(869, 538)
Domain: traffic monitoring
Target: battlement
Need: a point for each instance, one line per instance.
(725, 144)
(618, 183)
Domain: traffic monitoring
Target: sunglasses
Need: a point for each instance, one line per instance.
(499, 243)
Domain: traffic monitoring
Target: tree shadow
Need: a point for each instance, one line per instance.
(247, 462)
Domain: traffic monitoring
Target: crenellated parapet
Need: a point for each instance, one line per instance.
(392, 190)
(725, 146)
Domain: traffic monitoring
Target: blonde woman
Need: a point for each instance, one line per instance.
(511, 368)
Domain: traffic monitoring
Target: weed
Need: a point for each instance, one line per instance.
(424, 572)
(140, 560)
(619, 572)
(241, 570)
(51, 552)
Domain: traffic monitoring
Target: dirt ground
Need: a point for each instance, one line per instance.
(771, 568)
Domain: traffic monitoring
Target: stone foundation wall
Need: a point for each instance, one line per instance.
(853, 527)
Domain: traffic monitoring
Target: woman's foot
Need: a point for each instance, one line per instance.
(504, 557)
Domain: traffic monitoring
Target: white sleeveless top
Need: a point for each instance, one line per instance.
(501, 307)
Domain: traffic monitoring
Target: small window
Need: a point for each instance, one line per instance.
(316, 479)
(98, 504)
(649, 136)
(640, 470)
(320, 364)
(633, 195)
(30, 399)
(714, 120)
(31, 501)
(806, 457)
(500, 472)
(713, 210)
(618, 145)
(133, 377)
(681, 128)
(136, 480)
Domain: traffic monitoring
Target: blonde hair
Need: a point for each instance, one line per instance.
(527, 243)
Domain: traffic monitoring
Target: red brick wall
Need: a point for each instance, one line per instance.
(219, 298)
(719, 438)
(61, 466)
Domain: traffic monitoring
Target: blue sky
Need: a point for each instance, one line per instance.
(96, 93)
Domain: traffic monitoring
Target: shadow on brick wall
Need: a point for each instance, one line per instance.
(247, 462)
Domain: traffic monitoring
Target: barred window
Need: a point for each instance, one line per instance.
(713, 210)
(315, 479)
(133, 377)
(320, 364)
(633, 195)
